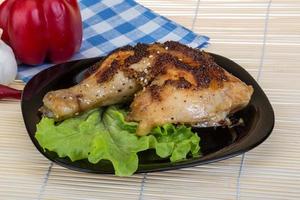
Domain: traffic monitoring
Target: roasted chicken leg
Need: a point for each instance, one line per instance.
(169, 83)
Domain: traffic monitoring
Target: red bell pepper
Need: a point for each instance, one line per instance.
(41, 29)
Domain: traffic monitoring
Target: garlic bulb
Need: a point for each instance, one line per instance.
(8, 63)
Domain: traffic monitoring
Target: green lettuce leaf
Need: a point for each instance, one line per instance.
(118, 143)
(73, 137)
(176, 142)
(104, 134)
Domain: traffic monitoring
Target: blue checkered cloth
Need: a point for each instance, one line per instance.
(109, 24)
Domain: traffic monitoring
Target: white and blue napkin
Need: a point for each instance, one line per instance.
(109, 24)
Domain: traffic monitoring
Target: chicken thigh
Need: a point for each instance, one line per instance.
(203, 95)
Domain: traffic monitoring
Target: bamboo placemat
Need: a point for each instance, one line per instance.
(261, 35)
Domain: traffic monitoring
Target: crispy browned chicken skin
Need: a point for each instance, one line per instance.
(172, 83)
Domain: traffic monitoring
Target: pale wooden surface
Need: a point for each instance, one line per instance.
(264, 37)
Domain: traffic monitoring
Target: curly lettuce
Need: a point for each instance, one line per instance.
(103, 134)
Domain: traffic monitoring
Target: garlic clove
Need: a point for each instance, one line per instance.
(8, 63)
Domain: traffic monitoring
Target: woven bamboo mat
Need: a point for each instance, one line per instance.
(261, 35)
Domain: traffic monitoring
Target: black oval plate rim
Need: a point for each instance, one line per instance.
(178, 165)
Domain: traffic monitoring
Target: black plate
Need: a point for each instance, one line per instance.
(216, 143)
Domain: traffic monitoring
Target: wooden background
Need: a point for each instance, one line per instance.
(261, 35)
